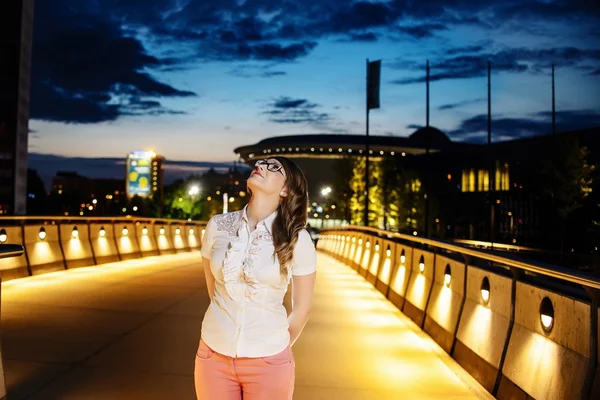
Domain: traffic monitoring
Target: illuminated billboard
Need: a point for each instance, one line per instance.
(139, 169)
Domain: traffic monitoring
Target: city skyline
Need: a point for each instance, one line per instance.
(194, 79)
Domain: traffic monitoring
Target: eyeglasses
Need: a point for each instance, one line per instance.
(272, 166)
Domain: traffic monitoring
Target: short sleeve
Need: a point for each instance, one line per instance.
(305, 255)
(208, 239)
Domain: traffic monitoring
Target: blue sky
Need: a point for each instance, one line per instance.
(193, 79)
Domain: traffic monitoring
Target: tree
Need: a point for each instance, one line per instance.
(565, 179)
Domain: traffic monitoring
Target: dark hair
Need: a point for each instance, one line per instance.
(292, 214)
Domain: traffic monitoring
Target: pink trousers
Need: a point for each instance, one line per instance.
(219, 377)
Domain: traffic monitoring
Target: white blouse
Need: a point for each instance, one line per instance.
(246, 317)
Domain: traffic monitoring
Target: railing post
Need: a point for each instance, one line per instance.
(89, 229)
(25, 248)
(430, 290)
(516, 277)
(114, 226)
(588, 386)
(462, 303)
(60, 245)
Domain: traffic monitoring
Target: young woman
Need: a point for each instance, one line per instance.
(249, 258)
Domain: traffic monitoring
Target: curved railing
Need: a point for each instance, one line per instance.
(565, 274)
(52, 243)
(521, 328)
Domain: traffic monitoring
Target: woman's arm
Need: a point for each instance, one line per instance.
(210, 279)
(303, 288)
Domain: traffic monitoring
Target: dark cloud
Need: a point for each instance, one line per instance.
(466, 66)
(255, 71)
(286, 110)
(273, 51)
(361, 15)
(360, 37)
(87, 70)
(414, 126)
(452, 106)
(595, 72)
(465, 50)
(107, 41)
(508, 60)
(422, 30)
(475, 129)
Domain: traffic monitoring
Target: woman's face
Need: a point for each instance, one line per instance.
(268, 176)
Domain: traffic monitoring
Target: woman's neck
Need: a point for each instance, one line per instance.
(260, 207)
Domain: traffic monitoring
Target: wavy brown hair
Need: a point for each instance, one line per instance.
(292, 214)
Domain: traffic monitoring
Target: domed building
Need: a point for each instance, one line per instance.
(319, 154)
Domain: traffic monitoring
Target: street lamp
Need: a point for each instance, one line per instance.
(325, 191)
(194, 190)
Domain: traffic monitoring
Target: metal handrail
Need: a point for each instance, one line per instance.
(128, 218)
(11, 250)
(553, 271)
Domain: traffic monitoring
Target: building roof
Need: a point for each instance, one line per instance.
(430, 136)
(337, 145)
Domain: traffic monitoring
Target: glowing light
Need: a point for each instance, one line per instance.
(447, 275)
(102, 232)
(402, 258)
(415, 233)
(388, 253)
(485, 290)
(144, 231)
(3, 236)
(75, 233)
(547, 321)
(177, 231)
(325, 191)
(91, 208)
(191, 231)
(422, 264)
(125, 231)
(194, 190)
(162, 231)
(42, 234)
(377, 247)
(547, 314)
(95, 201)
(368, 244)
(135, 208)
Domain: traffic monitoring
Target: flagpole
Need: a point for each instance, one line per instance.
(553, 105)
(492, 161)
(366, 217)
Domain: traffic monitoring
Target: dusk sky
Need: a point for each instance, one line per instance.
(193, 79)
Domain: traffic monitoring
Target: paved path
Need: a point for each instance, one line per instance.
(129, 330)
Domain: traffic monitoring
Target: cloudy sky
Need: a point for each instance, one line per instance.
(193, 79)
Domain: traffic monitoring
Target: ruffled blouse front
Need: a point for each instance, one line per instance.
(239, 263)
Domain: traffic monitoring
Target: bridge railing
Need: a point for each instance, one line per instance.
(57, 243)
(522, 329)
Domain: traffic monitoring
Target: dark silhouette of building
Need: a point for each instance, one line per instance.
(74, 194)
(16, 32)
(523, 191)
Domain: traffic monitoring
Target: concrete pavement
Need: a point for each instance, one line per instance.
(129, 330)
